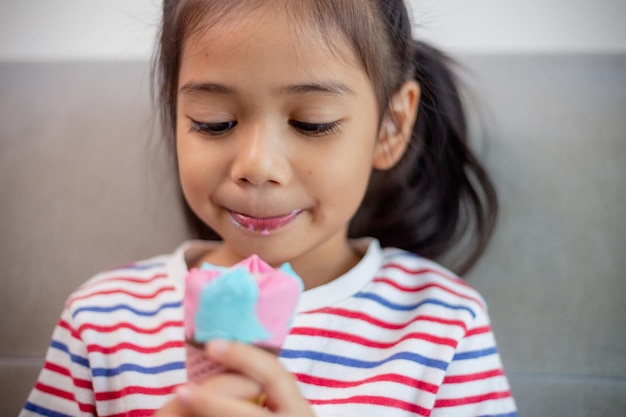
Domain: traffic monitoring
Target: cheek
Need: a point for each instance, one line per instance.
(185, 164)
(344, 178)
(189, 182)
(352, 178)
(193, 171)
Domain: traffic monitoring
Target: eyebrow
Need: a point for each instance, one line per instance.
(209, 88)
(329, 88)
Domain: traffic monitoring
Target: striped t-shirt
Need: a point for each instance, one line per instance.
(397, 335)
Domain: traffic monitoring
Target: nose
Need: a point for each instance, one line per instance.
(260, 158)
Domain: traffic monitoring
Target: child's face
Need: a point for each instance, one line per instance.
(275, 138)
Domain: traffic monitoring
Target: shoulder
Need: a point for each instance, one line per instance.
(136, 286)
(405, 276)
(125, 276)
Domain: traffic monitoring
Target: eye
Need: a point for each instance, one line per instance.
(315, 129)
(213, 129)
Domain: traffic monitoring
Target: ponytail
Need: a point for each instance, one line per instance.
(438, 202)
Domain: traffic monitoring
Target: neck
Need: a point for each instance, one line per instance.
(318, 273)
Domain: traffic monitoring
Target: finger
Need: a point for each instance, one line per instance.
(264, 367)
(232, 385)
(173, 408)
(201, 402)
(226, 384)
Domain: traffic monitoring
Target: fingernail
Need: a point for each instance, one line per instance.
(218, 347)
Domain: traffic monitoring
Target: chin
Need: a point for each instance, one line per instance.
(273, 254)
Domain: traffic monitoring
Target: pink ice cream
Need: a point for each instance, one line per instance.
(250, 302)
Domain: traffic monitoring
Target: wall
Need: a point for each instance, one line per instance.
(120, 29)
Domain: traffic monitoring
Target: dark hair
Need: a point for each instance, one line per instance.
(438, 198)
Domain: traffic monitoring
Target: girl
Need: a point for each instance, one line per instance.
(313, 132)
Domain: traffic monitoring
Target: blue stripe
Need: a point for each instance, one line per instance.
(97, 309)
(141, 267)
(409, 254)
(355, 363)
(513, 414)
(75, 358)
(130, 367)
(473, 354)
(403, 307)
(43, 411)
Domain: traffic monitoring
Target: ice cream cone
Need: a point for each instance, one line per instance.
(250, 302)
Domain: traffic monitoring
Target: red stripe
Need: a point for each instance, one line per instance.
(310, 331)
(135, 280)
(56, 368)
(453, 402)
(386, 325)
(399, 379)
(376, 400)
(422, 271)
(425, 287)
(47, 389)
(65, 325)
(87, 408)
(459, 379)
(133, 413)
(140, 349)
(122, 291)
(114, 395)
(130, 326)
(478, 330)
(54, 391)
(79, 383)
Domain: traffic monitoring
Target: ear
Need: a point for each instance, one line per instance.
(396, 127)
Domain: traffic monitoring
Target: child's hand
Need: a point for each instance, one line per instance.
(234, 394)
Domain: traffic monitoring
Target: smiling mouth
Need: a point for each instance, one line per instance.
(263, 225)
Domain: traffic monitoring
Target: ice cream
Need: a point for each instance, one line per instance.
(250, 302)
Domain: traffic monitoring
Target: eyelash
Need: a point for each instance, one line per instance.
(306, 128)
(213, 129)
(315, 129)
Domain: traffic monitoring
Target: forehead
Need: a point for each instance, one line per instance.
(246, 41)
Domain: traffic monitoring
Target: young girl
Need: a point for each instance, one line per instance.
(315, 132)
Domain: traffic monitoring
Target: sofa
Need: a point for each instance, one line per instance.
(86, 186)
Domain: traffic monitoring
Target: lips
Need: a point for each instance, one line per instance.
(263, 225)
